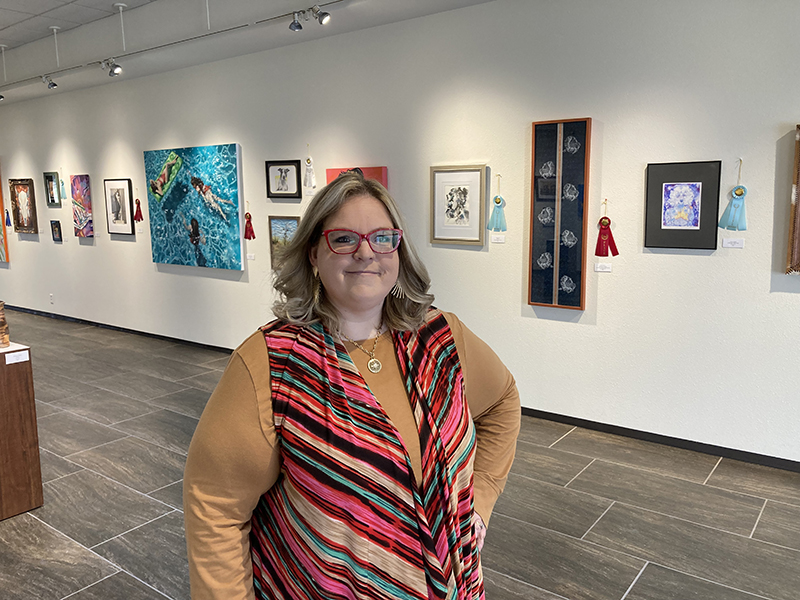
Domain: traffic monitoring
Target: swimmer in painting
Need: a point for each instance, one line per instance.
(210, 198)
(197, 238)
(157, 185)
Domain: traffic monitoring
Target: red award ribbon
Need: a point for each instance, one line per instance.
(605, 240)
(138, 216)
(249, 234)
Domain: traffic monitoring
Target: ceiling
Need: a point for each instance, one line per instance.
(154, 36)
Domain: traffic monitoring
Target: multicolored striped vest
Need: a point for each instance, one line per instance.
(346, 518)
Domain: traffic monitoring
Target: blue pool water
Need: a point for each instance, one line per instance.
(215, 241)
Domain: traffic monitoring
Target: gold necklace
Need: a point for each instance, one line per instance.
(374, 365)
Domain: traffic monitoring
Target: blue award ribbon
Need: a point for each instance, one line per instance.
(735, 217)
(497, 221)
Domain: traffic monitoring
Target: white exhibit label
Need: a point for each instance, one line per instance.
(602, 267)
(17, 357)
(251, 257)
(733, 242)
(498, 238)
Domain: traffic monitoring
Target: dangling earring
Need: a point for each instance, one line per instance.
(397, 291)
(317, 286)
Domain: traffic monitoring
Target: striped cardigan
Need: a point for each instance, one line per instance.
(346, 518)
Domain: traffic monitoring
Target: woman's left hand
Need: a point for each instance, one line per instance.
(480, 529)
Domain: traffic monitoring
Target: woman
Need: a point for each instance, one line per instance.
(328, 467)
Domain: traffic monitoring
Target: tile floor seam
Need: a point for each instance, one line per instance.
(172, 510)
(716, 487)
(635, 579)
(62, 476)
(758, 519)
(585, 533)
(171, 408)
(66, 457)
(728, 587)
(714, 468)
(164, 486)
(175, 392)
(172, 380)
(159, 409)
(88, 586)
(141, 439)
(525, 583)
(132, 397)
(562, 437)
(566, 485)
(143, 582)
(106, 424)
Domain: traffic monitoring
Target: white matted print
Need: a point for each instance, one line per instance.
(457, 204)
(119, 206)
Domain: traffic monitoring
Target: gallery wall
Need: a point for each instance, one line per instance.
(692, 344)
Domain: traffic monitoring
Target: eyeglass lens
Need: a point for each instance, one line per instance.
(382, 241)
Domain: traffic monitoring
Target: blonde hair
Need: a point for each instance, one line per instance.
(295, 280)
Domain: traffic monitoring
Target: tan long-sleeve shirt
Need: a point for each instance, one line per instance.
(233, 458)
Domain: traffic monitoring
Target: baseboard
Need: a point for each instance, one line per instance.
(750, 457)
(42, 313)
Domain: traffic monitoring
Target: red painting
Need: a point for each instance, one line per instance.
(381, 174)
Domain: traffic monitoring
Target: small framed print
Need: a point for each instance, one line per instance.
(119, 206)
(458, 196)
(52, 189)
(55, 228)
(682, 205)
(23, 206)
(281, 232)
(283, 179)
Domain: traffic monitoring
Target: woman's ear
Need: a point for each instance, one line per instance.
(312, 255)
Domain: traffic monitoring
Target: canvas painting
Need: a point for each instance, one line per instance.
(281, 232)
(4, 216)
(194, 199)
(379, 174)
(81, 206)
(23, 206)
(680, 205)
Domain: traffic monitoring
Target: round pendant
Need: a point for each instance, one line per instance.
(374, 365)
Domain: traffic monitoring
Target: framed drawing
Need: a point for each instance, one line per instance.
(793, 259)
(194, 198)
(559, 189)
(283, 179)
(458, 197)
(52, 190)
(281, 232)
(82, 219)
(682, 205)
(23, 206)
(379, 174)
(119, 205)
(4, 215)
(55, 229)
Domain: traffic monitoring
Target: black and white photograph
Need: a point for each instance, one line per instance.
(119, 206)
(457, 204)
(283, 179)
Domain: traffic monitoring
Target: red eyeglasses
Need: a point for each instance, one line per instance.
(347, 241)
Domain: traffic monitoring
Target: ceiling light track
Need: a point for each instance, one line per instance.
(315, 11)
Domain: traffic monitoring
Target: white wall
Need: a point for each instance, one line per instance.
(696, 345)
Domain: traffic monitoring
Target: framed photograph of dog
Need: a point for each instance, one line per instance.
(283, 179)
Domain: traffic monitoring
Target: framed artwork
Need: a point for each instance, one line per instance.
(55, 228)
(559, 189)
(682, 205)
(4, 215)
(793, 258)
(23, 206)
(379, 174)
(194, 201)
(52, 190)
(119, 205)
(281, 232)
(82, 219)
(458, 196)
(283, 179)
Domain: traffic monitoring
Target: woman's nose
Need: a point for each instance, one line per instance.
(364, 251)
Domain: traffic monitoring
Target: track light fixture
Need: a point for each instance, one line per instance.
(114, 69)
(51, 85)
(2, 97)
(320, 15)
(295, 25)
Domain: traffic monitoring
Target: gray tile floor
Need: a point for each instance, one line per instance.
(585, 515)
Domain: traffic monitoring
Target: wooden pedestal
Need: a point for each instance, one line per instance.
(20, 471)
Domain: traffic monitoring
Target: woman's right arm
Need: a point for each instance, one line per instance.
(233, 459)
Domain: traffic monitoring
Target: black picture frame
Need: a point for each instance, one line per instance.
(119, 206)
(700, 183)
(55, 228)
(283, 179)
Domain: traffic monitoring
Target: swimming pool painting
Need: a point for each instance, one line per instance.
(193, 195)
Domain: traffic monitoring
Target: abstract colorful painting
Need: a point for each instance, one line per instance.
(81, 206)
(194, 202)
(680, 205)
(23, 206)
(3, 239)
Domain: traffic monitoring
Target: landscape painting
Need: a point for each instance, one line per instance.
(194, 201)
